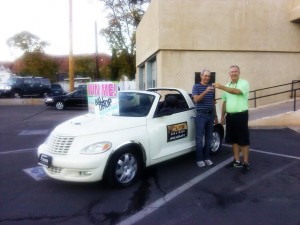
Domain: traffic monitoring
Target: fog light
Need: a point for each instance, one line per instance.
(85, 173)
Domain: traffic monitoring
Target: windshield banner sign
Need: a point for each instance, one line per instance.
(103, 98)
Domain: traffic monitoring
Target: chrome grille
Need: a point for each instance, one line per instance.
(59, 144)
(54, 170)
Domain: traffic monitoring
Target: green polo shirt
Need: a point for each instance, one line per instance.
(237, 103)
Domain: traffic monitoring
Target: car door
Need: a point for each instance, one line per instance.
(171, 135)
(36, 88)
(27, 86)
(77, 98)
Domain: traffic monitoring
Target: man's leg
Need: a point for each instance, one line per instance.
(245, 151)
(236, 152)
(200, 123)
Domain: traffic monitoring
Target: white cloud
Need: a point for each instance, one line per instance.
(49, 20)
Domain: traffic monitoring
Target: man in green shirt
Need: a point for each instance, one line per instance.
(235, 110)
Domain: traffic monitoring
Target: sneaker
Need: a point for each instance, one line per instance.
(246, 167)
(201, 163)
(235, 164)
(209, 162)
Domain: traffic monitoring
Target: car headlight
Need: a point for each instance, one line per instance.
(49, 99)
(96, 148)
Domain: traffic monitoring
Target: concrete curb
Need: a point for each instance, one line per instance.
(288, 119)
(22, 101)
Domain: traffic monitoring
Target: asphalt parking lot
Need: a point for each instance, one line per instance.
(173, 192)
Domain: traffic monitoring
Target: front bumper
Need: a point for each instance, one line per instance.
(76, 168)
(5, 92)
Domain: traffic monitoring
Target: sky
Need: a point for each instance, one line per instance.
(49, 20)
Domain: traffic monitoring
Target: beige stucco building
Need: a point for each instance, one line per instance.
(177, 38)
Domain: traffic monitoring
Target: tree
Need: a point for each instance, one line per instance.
(85, 66)
(36, 63)
(123, 18)
(39, 64)
(27, 42)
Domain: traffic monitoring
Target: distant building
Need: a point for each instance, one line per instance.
(176, 39)
(5, 74)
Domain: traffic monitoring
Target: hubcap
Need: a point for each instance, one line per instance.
(215, 144)
(59, 105)
(126, 168)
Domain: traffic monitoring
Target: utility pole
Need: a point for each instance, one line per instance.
(96, 51)
(71, 59)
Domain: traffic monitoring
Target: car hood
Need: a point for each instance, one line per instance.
(93, 124)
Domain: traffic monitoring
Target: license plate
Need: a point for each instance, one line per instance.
(45, 160)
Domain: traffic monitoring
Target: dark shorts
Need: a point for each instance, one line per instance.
(237, 131)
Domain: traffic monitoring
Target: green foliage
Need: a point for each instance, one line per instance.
(121, 64)
(123, 18)
(39, 64)
(36, 63)
(85, 66)
(27, 42)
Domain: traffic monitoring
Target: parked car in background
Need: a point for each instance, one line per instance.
(55, 90)
(151, 126)
(18, 87)
(76, 98)
(81, 87)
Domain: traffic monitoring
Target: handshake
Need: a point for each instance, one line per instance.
(217, 85)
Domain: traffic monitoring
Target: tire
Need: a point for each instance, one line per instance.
(59, 105)
(16, 94)
(44, 94)
(124, 168)
(216, 144)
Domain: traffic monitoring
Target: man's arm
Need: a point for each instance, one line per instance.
(198, 98)
(234, 91)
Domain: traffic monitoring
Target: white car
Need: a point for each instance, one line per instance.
(152, 126)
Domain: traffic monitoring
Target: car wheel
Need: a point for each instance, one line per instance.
(124, 168)
(16, 94)
(59, 105)
(216, 142)
(44, 94)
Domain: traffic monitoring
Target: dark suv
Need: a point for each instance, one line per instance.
(26, 86)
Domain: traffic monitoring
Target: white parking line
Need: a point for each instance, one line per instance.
(270, 153)
(168, 197)
(18, 151)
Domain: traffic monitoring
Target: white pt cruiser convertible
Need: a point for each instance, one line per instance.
(152, 126)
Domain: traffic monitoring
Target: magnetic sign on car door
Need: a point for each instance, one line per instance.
(177, 131)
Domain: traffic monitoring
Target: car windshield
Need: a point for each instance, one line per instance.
(56, 87)
(134, 104)
(12, 80)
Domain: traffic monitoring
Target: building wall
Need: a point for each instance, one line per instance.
(147, 36)
(187, 36)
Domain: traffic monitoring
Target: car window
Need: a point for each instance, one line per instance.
(28, 81)
(56, 87)
(80, 93)
(12, 80)
(134, 104)
(171, 101)
(45, 81)
(37, 81)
